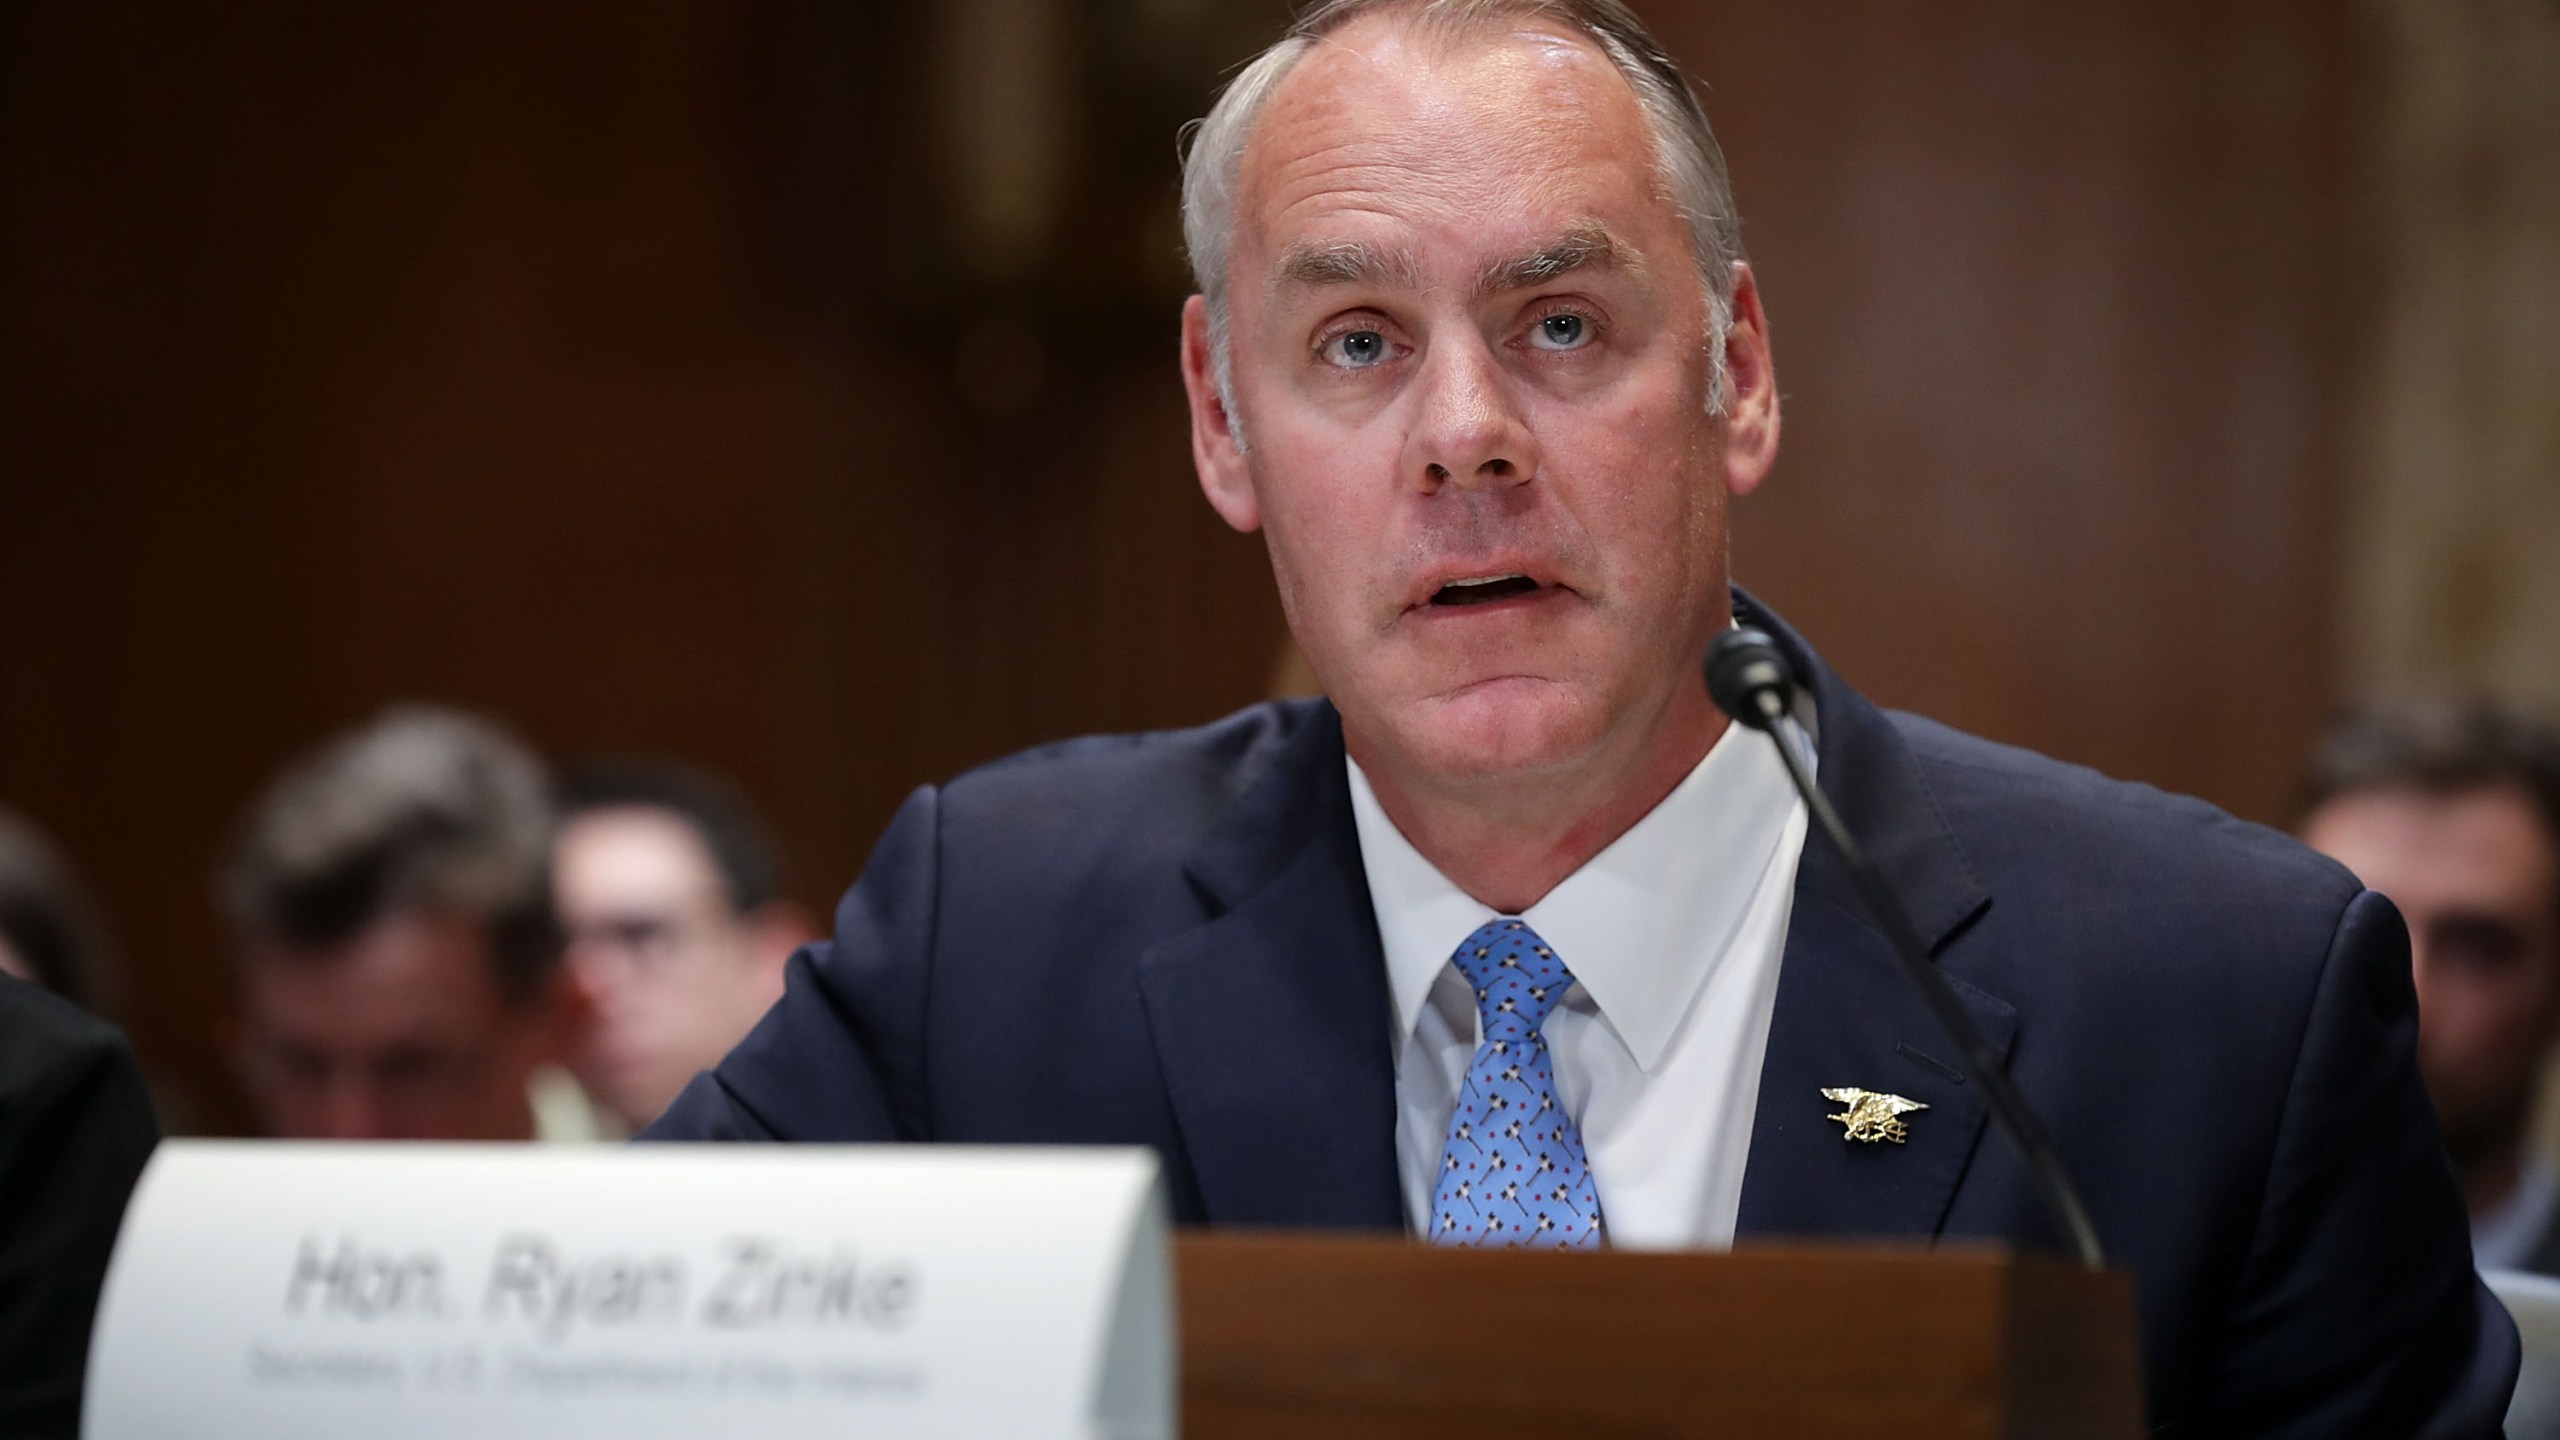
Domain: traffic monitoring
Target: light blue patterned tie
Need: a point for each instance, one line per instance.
(1513, 1172)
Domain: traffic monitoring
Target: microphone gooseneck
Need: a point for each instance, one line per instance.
(1750, 679)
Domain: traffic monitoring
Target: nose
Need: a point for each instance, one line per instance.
(1468, 429)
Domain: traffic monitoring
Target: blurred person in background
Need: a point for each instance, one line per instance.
(671, 901)
(398, 961)
(49, 932)
(76, 1126)
(2452, 809)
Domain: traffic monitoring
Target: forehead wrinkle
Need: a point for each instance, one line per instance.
(1384, 128)
(1381, 106)
(1342, 165)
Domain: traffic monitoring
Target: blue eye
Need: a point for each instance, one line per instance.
(1358, 348)
(1562, 332)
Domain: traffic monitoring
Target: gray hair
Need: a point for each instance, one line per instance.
(48, 921)
(1686, 156)
(423, 809)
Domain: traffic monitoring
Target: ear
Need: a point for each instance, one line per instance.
(1750, 390)
(1215, 452)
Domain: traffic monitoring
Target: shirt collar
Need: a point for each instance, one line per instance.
(1640, 924)
(2504, 1236)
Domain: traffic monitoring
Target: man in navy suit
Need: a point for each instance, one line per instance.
(1477, 351)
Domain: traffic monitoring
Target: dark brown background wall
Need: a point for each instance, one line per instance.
(789, 387)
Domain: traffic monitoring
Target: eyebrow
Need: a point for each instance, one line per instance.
(1347, 262)
(1356, 262)
(1584, 246)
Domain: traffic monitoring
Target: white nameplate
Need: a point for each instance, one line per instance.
(291, 1292)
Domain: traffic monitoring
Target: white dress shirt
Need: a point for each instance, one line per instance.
(1673, 935)
(2505, 1236)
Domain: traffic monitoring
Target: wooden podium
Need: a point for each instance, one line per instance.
(1292, 1336)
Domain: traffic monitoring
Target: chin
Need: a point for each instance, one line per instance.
(1501, 729)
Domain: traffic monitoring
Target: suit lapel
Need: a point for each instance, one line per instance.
(1846, 1017)
(1271, 1020)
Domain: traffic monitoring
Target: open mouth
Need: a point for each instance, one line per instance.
(1484, 591)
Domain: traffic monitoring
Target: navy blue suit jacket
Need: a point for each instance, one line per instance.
(1166, 940)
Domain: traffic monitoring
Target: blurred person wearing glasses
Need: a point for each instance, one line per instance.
(397, 959)
(670, 896)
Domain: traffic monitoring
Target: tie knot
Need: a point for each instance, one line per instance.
(1516, 975)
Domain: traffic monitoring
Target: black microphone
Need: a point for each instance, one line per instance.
(1749, 679)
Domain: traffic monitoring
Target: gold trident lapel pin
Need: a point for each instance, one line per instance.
(1872, 1115)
